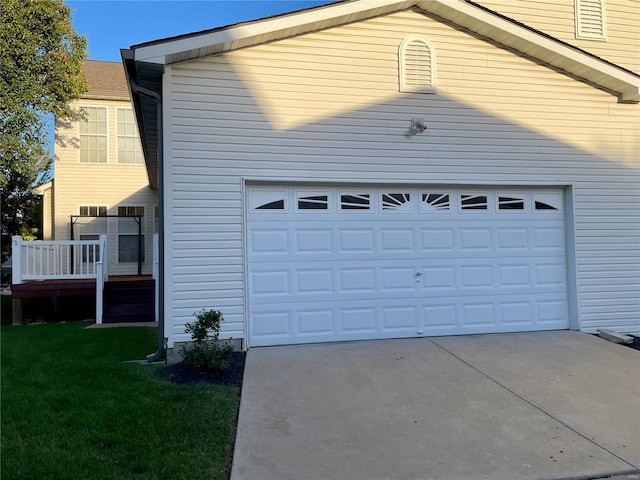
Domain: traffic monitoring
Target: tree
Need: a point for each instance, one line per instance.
(40, 73)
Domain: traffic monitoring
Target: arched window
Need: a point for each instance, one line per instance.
(417, 62)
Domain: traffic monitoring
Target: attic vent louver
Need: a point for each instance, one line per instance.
(590, 19)
(416, 58)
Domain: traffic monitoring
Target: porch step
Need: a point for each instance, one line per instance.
(129, 301)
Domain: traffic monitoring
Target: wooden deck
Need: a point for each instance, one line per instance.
(61, 288)
(64, 288)
(54, 288)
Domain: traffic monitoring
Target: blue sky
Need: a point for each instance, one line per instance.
(112, 25)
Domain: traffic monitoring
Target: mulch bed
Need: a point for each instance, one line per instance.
(232, 376)
(635, 344)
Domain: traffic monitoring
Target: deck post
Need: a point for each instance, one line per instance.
(17, 311)
(16, 277)
(100, 278)
(16, 259)
(99, 293)
(104, 245)
(156, 261)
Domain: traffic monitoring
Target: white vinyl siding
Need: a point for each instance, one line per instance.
(325, 108)
(558, 19)
(591, 21)
(129, 148)
(107, 183)
(93, 135)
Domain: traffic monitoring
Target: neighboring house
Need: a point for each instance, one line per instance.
(99, 170)
(387, 169)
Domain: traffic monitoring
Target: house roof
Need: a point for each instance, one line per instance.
(465, 13)
(106, 80)
(144, 62)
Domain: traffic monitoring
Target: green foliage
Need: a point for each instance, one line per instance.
(72, 410)
(206, 352)
(40, 73)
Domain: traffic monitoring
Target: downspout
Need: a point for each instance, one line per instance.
(160, 351)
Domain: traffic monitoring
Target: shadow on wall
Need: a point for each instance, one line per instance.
(281, 130)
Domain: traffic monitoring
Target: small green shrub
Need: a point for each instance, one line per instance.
(206, 353)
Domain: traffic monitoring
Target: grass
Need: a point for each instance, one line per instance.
(72, 410)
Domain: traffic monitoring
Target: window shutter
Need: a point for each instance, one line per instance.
(590, 19)
(417, 65)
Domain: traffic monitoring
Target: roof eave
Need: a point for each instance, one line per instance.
(206, 43)
(484, 22)
(146, 122)
(99, 96)
(631, 95)
(534, 44)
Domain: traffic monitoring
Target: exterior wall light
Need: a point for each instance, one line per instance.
(417, 126)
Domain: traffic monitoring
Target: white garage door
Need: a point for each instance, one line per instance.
(339, 263)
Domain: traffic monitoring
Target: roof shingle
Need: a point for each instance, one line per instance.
(105, 80)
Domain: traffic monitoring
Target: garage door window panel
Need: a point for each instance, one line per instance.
(474, 202)
(392, 202)
(547, 201)
(435, 202)
(268, 200)
(511, 202)
(314, 201)
(355, 201)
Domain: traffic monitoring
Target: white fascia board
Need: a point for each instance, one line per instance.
(631, 95)
(157, 53)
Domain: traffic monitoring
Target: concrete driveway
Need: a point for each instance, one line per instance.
(552, 405)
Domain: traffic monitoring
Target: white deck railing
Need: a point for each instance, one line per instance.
(56, 259)
(61, 260)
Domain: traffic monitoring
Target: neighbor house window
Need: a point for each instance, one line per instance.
(129, 149)
(90, 226)
(591, 20)
(93, 210)
(128, 240)
(93, 135)
(417, 60)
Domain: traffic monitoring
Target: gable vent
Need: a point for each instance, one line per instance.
(417, 65)
(590, 19)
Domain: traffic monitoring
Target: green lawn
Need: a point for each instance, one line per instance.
(72, 410)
